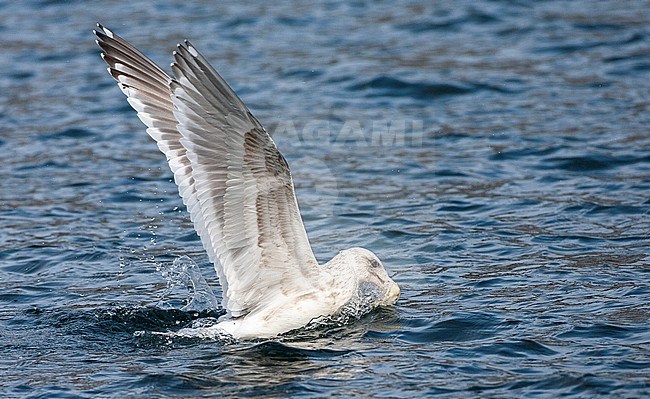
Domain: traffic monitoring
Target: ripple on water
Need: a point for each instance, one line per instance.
(393, 87)
(518, 349)
(71, 133)
(594, 162)
(457, 328)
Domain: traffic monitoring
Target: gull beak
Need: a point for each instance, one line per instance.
(393, 294)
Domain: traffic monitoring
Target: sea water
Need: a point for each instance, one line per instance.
(495, 155)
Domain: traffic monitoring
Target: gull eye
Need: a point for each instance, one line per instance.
(375, 264)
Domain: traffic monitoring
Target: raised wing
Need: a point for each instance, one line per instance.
(235, 183)
(147, 88)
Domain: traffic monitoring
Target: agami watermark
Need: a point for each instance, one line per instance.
(375, 133)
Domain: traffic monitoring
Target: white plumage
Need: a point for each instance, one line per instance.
(239, 192)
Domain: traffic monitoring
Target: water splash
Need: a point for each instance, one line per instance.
(361, 304)
(185, 274)
(204, 329)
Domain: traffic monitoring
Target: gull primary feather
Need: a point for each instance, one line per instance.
(240, 195)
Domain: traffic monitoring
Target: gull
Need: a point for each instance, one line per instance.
(240, 196)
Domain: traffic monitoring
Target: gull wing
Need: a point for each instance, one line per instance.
(231, 176)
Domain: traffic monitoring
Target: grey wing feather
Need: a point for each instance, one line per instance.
(245, 189)
(235, 183)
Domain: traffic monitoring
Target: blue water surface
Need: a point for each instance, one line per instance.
(494, 154)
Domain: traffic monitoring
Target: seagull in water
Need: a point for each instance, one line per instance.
(240, 196)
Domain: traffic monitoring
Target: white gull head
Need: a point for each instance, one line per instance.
(363, 277)
(239, 192)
